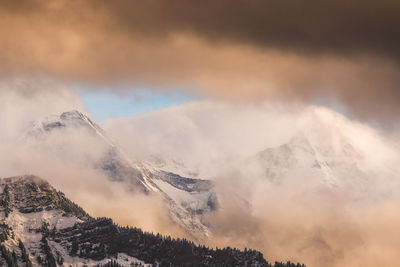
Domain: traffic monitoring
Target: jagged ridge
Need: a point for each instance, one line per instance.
(29, 194)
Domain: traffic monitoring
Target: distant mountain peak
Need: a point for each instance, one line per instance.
(318, 150)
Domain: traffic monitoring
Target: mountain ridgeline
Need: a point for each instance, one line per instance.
(41, 227)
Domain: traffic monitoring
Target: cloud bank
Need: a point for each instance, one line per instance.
(241, 50)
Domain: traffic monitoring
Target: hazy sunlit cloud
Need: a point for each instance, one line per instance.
(251, 51)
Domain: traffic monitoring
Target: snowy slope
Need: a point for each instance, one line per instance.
(331, 149)
(301, 157)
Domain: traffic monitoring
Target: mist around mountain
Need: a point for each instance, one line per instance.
(300, 179)
(186, 199)
(298, 183)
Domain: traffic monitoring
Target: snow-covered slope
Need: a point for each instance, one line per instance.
(331, 149)
(188, 199)
(41, 227)
(301, 157)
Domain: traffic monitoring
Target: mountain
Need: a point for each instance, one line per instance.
(41, 227)
(300, 156)
(188, 199)
(333, 150)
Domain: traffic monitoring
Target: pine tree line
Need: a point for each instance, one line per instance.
(111, 239)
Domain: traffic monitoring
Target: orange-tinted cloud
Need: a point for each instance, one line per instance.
(249, 50)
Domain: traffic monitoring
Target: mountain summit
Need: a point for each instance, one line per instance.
(187, 198)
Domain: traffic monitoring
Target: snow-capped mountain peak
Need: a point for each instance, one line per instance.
(323, 148)
(188, 199)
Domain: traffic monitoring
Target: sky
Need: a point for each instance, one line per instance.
(104, 105)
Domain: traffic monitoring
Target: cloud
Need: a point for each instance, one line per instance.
(23, 100)
(237, 50)
(206, 134)
(310, 26)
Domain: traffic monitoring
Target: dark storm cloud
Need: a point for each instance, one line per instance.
(311, 26)
(306, 26)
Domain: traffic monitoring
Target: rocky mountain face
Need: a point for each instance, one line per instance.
(188, 199)
(41, 227)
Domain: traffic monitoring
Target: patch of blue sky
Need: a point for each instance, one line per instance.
(105, 104)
